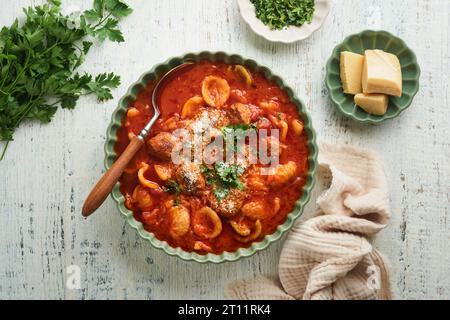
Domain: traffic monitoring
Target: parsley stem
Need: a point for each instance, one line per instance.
(6, 77)
(101, 21)
(50, 48)
(28, 108)
(55, 103)
(4, 150)
(105, 18)
(20, 73)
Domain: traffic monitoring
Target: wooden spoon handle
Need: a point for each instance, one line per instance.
(105, 185)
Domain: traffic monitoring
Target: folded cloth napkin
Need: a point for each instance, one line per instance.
(330, 256)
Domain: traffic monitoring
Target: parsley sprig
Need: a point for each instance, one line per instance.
(39, 59)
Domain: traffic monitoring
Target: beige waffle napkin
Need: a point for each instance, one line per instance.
(330, 256)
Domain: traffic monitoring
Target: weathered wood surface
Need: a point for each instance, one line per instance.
(49, 169)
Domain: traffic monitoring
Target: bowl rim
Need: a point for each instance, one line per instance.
(370, 120)
(271, 35)
(110, 155)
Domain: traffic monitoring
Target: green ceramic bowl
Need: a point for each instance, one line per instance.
(156, 73)
(358, 43)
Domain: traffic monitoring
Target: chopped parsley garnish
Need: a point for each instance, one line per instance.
(232, 129)
(228, 174)
(223, 177)
(173, 187)
(221, 193)
(279, 14)
(234, 133)
(39, 58)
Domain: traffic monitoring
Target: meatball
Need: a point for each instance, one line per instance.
(263, 123)
(240, 113)
(207, 120)
(161, 145)
(189, 178)
(230, 205)
(217, 118)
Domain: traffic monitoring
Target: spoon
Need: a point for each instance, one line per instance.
(107, 182)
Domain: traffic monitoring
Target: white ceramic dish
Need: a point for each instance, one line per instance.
(288, 35)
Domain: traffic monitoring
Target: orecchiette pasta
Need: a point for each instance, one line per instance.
(201, 246)
(191, 106)
(143, 180)
(142, 197)
(206, 223)
(284, 129)
(271, 105)
(163, 172)
(215, 91)
(256, 232)
(281, 124)
(297, 126)
(240, 227)
(179, 221)
(244, 74)
(276, 205)
(132, 112)
(283, 174)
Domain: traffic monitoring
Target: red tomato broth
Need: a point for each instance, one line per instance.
(177, 90)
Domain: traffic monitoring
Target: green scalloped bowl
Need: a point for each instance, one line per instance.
(366, 40)
(110, 157)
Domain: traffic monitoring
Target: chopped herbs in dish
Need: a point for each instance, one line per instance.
(173, 187)
(223, 177)
(39, 59)
(234, 133)
(279, 14)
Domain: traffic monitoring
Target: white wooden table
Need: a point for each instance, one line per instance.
(49, 169)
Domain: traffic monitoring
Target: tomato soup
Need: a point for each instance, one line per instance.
(213, 207)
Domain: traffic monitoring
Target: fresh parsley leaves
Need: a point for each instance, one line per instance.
(173, 187)
(102, 20)
(279, 14)
(234, 133)
(242, 128)
(39, 59)
(223, 177)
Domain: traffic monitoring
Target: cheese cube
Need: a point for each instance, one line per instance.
(351, 71)
(375, 103)
(382, 73)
